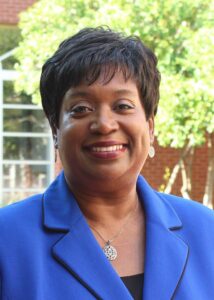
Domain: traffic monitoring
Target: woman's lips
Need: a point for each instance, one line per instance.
(106, 150)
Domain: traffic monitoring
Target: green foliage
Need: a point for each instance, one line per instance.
(9, 39)
(166, 176)
(47, 23)
(181, 33)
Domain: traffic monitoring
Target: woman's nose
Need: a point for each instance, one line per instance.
(104, 123)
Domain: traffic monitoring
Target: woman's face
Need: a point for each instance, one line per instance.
(103, 132)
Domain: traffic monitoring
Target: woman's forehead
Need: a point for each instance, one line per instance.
(103, 74)
(118, 84)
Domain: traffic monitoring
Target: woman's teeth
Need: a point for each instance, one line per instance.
(107, 149)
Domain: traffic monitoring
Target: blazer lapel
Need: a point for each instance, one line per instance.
(166, 254)
(78, 251)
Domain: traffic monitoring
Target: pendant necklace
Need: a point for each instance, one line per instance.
(109, 250)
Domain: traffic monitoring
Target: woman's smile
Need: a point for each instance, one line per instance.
(106, 149)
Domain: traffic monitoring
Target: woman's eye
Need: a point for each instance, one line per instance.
(78, 110)
(124, 106)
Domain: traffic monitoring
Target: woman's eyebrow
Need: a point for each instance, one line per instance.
(123, 92)
(73, 94)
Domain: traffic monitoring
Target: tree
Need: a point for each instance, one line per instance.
(181, 33)
(47, 23)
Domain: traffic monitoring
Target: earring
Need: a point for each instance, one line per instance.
(151, 151)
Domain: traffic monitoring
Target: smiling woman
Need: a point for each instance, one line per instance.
(100, 231)
(99, 133)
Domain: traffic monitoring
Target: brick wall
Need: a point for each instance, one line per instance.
(10, 9)
(154, 170)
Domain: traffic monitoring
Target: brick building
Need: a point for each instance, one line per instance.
(154, 169)
(10, 9)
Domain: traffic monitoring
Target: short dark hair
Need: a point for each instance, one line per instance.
(82, 58)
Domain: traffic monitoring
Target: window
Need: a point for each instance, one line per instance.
(26, 148)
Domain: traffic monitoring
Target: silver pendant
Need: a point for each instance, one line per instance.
(109, 251)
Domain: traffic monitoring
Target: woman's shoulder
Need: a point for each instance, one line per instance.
(20, 212)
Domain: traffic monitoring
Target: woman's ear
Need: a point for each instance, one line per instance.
(151, 129)
(54, 134)
(55, 141)
(151, 152)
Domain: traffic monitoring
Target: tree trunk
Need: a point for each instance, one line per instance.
(208, 199)
(176, 168)
(186, 172)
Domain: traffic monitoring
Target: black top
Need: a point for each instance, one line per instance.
(134, 284)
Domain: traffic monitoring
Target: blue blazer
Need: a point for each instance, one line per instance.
(47, 250)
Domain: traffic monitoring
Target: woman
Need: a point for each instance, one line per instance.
(100, 231)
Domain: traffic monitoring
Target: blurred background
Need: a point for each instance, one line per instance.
(181, 34)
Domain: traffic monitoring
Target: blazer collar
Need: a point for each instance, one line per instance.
(61, 210)
(157, 208)
(78, 251)
(166, 254)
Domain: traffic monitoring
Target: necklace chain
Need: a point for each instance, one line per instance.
(108, 249)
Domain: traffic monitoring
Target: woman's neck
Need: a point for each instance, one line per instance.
(98, 208)
(102, 206)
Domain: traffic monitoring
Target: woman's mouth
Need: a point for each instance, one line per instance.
(106, 150)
